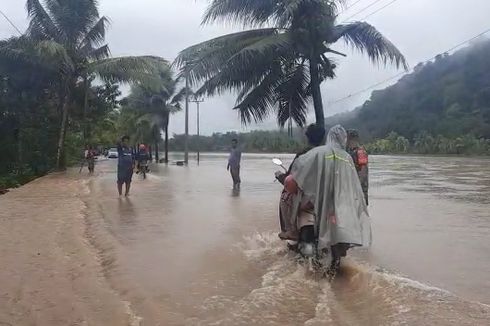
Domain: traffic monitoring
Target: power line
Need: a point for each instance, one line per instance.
(10, 22)
(362, 10)
(352, 5)
(376, 11)
(405, 72)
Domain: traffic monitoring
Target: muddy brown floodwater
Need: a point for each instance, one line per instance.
(184, 249)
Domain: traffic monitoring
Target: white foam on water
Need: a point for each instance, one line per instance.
(402, 281)
(323, 311)
(134, 319)
(287, 291)
(259, 245)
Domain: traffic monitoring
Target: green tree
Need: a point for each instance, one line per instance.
(281, 63)
(68, 37)
(154, 105)
(402, 144)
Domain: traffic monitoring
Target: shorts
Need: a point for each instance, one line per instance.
(124, 175)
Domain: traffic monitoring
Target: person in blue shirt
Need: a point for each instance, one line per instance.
(125, 165)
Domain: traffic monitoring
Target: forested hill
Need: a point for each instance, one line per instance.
(448, 97)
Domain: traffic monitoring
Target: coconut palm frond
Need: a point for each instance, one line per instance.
(96, 35)
(73, 18)
(100, 53)
(180, 96)
(247, 12)
(53, 51)
(129, 69)
(367, 39)
(41, 25)
(293, 95)
(258, 103)
(204, 60)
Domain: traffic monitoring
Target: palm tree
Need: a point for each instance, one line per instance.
(280, 63)
(155, 104)
(69, 37)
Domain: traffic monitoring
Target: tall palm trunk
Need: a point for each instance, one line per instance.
(60, 161)
(166, 144)
(85, 111)
(157, 156)
(315, 91)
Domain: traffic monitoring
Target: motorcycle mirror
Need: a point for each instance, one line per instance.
(277, 161)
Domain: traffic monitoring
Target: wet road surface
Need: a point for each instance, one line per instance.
(184, 249)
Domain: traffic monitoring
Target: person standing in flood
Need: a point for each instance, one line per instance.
(90, 157)
(234, 163)
(125, 165)
(360, 157)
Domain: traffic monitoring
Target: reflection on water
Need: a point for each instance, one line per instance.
(126, 211)
(188, 250)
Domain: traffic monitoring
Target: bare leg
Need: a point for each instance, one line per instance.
(128, 185)
(119, 188)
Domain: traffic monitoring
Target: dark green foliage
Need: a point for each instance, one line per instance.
(447, 100)
(254, 141)
(425, 143)
(49, 109)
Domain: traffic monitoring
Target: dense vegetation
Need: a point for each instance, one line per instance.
(442, 107)
(58, 88)
(255, 141)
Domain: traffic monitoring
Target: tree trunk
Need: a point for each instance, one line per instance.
(316, 93)
(157, 156)
(85, 111)
(20, 159)
(60, 161)
(166, 145)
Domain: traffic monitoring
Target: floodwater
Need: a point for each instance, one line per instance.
(184, 249)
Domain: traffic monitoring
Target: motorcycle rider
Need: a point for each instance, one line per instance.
(315, 136)
(142, 157)
(360, 157)
(326, 177)
(90, 158)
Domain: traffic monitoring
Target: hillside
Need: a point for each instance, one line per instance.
(448, 97)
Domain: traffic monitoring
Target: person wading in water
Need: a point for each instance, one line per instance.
(234, 164)
(125, 165)
(361, 161)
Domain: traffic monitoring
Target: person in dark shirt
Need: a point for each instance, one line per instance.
(360, 158)
(234, 160)
(90, 157)
(125, 165)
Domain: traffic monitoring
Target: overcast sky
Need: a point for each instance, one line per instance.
(420, 29)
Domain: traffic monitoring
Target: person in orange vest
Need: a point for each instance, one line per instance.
(360, 157)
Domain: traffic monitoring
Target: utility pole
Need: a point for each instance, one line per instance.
(198, 102)
(186, 137)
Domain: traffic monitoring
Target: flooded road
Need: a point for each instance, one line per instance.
(184, 249)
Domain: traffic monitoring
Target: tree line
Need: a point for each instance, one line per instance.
(255, 141)
(442, 107)
(424, 143)
(59, 91)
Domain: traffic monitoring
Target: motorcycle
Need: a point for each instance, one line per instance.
(306, 245)
(143, 168)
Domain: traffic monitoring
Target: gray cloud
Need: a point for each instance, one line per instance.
(420, 28)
